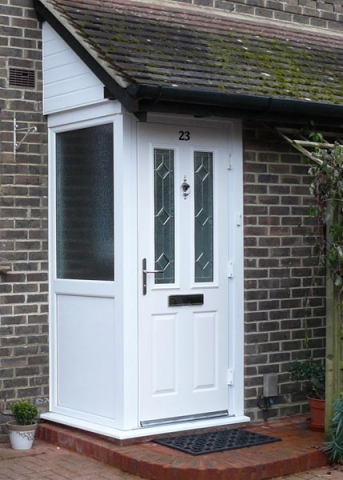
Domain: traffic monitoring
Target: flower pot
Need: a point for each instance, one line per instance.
(21, 436)
(317, 412)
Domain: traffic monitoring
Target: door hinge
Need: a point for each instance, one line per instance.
(238, 219)
(230, 269)
(230, 376)
(229, 166)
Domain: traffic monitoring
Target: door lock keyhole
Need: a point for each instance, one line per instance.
(185, 187)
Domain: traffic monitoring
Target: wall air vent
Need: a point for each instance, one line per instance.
(22, 78)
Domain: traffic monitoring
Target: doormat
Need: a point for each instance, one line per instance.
(203, 443)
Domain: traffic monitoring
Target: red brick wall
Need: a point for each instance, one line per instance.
(23, 213)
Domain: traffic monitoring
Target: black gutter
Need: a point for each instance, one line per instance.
(151, 96)
(116, 90)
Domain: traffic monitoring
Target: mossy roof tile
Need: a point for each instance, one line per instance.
(155, 44)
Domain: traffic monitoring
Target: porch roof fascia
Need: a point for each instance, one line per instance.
(141, 99)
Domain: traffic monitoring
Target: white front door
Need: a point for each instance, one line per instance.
(183, 250)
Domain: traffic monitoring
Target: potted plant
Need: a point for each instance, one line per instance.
(311, 374)
(22, 429)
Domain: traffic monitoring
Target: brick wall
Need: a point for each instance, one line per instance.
(317, 13)
(280, 267)
(23, 210)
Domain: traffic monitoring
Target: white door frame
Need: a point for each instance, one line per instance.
(235, 254)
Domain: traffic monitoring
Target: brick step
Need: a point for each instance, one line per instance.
(299, 450)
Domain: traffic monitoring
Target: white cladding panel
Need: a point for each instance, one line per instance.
(68, 82)
(86, 354)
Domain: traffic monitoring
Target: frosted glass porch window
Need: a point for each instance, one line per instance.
(203, 216)
(164, 215)
(85, 214)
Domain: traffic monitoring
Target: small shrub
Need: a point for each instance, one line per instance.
(311, 374)
(24, 412)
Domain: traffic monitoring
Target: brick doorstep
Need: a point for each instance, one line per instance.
(299, 450)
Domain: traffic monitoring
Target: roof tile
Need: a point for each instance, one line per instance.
(155, 44)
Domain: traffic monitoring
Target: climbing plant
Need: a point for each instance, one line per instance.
(326, 170)
(327, 188)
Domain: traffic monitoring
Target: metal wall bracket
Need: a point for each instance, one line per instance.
(26, 130)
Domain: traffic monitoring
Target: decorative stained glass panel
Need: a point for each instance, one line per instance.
(203, 216)
(164, 215)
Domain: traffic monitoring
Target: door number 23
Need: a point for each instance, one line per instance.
(184, 136)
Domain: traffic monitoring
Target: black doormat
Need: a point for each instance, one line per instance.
(203, 443)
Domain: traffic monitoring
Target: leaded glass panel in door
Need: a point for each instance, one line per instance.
(164, 215)
(203, 216)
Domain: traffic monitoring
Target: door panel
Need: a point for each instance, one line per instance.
(205, 347)
(183, 239)
(163, 349)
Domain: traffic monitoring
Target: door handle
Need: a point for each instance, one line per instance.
(145, 272)
(153, 271)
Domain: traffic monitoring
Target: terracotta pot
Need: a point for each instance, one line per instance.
(21, 436)
(317, 411)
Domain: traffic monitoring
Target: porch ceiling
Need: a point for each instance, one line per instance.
(150, 55)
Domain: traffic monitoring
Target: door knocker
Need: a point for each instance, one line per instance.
(185, 187)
